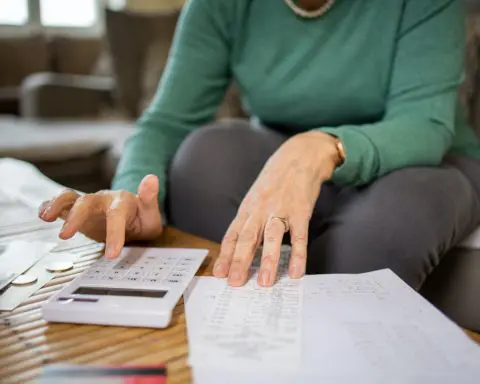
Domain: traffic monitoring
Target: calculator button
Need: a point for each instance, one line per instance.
(152, 280)
(130, 278)
(173, 281)
(156, 275)
(114, 275)
(135, 273)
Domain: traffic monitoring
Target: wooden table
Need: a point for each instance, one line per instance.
(27, 342)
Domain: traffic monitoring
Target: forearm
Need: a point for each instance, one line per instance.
(148, 151)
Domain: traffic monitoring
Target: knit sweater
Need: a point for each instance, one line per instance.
(380, 75)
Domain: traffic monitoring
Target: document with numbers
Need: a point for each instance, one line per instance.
(366, 329)
(252, 324)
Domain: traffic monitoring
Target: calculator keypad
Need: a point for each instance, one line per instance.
(143, 270)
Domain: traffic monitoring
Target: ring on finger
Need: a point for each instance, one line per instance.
(284, 220)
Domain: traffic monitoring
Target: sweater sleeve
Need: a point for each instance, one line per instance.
(418, 126)
(189, 93)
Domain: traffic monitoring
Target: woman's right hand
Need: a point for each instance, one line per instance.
(108, 216)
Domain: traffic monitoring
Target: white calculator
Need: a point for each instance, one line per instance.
(138, 289)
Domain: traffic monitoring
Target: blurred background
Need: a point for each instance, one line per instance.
(76, 74)
(74, 77)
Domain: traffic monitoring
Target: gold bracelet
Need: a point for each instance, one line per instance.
(341, 151)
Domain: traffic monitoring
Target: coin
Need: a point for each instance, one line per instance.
(59, 266)
(25, 279)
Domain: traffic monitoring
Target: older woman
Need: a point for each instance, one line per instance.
(357, 147)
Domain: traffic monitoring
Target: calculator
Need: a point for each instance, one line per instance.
(138, 289)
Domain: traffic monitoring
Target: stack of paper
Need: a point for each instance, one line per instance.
(369, 328)
(27, 243)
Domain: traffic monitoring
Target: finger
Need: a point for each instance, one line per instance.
(299, 241)
(148, 204)
(64, 201)
(79, 213)
(148, 191)
(246, 246)
(116, 218)
(272, 242)
(229, 242)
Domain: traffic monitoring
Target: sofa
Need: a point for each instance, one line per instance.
(44, 59)
(137, 62)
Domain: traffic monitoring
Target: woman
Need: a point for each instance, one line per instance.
(357, 148)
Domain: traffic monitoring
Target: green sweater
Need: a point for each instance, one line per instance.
(382, 75)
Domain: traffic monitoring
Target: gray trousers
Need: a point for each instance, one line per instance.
(405, 221)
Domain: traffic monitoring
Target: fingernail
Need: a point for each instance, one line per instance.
(64, 226)
(235, 276)
(264, 278)
(109, 253)
(219, 269)
(44, 212)
(296, 271)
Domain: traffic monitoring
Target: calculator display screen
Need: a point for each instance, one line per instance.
(158, 294)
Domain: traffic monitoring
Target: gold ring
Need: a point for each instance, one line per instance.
(284, 221)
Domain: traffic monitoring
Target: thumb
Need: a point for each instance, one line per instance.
(148, 191)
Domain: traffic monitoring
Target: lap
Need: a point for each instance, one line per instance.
(212, 172)
(404, 221)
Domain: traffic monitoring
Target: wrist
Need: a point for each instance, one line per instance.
(331, 153)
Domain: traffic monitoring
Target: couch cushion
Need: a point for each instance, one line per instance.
(75, 55)
(71, 153)
(20, 57)
(454, 286)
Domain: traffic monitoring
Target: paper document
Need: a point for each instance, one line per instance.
(369, 328)
(26, 183)
(28, 243)
(253, 324)
(14, 296)
(19, 256)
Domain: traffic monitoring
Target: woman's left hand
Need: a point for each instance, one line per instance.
(280, 200)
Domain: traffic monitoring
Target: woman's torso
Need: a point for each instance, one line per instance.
(334, 70)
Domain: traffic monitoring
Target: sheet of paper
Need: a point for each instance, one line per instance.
(25, 183)
(369, 328)
(70, 250)
(19, 256)
(473, 241)
(254, 325)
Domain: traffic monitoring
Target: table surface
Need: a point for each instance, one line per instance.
(27, 342)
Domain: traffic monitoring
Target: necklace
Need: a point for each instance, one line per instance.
(310, 14)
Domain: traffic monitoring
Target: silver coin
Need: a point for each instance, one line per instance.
(59, 266)
(25, 279)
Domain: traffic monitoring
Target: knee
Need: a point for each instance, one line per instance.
(380, 239)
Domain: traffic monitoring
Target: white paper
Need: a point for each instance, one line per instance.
(473, 241)
(25, 183)
(22, 191)
(70, 250)
(253, 324)
(19, 256)
(369, 328)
